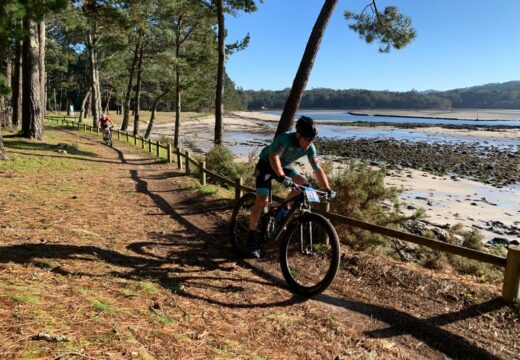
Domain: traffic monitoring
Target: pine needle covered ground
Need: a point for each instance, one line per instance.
(107, 253)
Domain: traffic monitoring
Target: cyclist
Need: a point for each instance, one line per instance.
(273, 164)
(103, 122)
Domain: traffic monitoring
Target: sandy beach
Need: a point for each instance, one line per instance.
(465, 114)
(447, 201)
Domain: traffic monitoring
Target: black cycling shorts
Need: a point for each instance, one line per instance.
(264, 174)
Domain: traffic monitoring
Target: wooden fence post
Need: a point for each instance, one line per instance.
(142, 142)
(127, 136)
(169, 153)
(238, 188)
(149, 145)
(179, 162)
(187, 163)
(511, 288)
(202, 175)
(135, 139)
(118, 134)
(158, 149)
(85, 127)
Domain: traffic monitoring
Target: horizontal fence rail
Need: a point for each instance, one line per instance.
(511, 285)
(420, 240)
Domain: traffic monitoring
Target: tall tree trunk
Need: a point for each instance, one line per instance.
(32, 111)
(177, 88)
(88, 108)
(177, 108)
(304, 70)
(137, 101)
(2, 151)
(154, 111)
(94, 72)
(6, 112)
(17, 84)
(219, 97)
(128, 95)
(83, 102)
(152, 120)
(43, 75)
(55, 108)
(107, 107)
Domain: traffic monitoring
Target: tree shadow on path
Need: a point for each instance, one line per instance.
(190, 256)
(428, 330)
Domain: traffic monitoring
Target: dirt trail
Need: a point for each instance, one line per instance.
(410, 313)
(226, 308)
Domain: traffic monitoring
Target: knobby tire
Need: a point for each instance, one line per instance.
(333, 261)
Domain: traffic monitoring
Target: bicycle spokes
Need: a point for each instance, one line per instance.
(309, 253)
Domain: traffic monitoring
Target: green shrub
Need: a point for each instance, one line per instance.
(165, 140)
(220, 160)
(362, 194)
(434, 260)
(246, 170)
(473, 239)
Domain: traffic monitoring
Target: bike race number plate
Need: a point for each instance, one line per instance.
(311, 195)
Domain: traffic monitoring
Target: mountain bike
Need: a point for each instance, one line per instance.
(309, 252)
(107, 136)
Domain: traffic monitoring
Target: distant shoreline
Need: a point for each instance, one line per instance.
(419, 117)
(441, 114)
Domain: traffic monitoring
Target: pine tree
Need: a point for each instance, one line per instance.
(390, 28)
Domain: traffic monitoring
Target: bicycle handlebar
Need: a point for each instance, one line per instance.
(302, 188)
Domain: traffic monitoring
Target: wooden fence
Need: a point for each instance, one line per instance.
(511, 284)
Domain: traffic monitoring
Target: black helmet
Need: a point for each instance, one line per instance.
(306, 127)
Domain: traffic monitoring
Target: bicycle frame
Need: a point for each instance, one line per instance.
(300, 204)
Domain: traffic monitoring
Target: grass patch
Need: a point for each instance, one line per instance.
(83, 291)
(207, 189)
(148, 286)
(32, 351)
(101, 306)
(129, 293)
(162, 318)
(26, 299)
(52, 139)
(104, 338)
(282, 318)
(31, 164)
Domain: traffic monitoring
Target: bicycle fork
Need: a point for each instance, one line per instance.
(306, 246)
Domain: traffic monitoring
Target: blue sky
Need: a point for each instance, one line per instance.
(459, 43)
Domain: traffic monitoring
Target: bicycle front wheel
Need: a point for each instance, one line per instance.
(309, 254)
(240, 223)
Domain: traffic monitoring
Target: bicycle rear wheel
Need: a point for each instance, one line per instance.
(309, 254)
(240, 223)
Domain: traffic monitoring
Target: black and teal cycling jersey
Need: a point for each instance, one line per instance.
(287, 148)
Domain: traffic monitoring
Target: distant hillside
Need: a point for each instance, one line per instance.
(489, 96)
